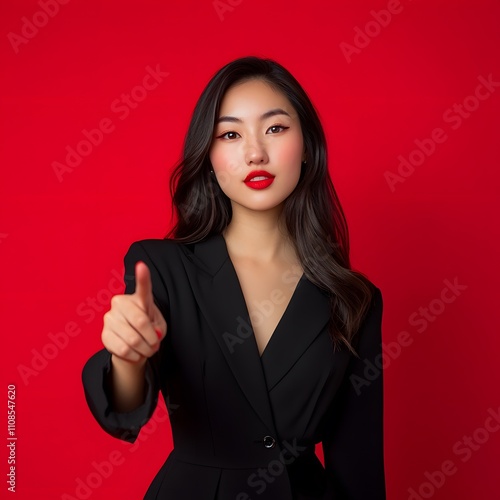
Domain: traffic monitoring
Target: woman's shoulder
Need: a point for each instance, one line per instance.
(157, 245)
(157, 250)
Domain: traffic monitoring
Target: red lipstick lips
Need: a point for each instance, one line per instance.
(259, 179)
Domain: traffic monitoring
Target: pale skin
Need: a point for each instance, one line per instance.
(132, 332)
(256, 240)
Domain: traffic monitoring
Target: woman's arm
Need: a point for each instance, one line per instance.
(122, 396)
(353, 447)
(127, 384)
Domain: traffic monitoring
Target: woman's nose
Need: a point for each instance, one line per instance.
(255, 153)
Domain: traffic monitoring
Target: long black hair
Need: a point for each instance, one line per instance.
(312, 213)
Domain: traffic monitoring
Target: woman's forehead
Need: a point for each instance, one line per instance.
(252, 99)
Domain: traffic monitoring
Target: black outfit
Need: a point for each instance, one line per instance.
(245, 426)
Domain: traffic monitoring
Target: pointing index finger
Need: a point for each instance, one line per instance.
(144, 286)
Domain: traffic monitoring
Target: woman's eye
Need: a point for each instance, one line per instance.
(226, 134)
(233, 135)
(274, 127)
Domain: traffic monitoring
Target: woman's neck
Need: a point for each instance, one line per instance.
(257, 235)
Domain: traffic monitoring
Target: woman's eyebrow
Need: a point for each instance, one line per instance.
(267, 114)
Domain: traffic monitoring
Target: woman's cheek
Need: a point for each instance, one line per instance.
(226, 165)
(290, 152)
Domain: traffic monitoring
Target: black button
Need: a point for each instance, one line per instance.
(269, 442)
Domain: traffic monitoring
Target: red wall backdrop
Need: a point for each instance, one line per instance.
(409, 94)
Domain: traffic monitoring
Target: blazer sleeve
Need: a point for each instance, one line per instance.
(95, 374)
(353, 445)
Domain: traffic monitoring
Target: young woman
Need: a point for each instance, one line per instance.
(247, 316)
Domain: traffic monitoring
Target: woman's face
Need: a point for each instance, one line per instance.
(257, 130)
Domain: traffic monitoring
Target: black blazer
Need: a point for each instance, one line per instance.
(245, 426)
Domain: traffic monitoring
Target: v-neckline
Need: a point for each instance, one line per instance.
(285, 312)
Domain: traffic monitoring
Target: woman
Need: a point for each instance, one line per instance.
(247, 316)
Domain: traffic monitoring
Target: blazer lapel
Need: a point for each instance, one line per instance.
(221, 300)
(305, 318)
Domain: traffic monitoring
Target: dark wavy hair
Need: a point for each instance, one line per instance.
(312, 213)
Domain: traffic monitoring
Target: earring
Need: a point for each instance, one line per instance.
(211, 171)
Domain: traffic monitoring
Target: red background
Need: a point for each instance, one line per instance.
(62, 241)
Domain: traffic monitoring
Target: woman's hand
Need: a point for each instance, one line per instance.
(134, 326)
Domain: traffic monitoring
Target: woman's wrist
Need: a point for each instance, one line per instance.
(129, 366)
(128, 384)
